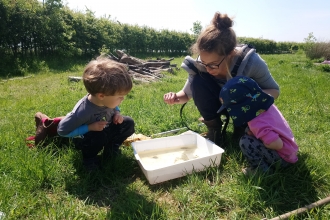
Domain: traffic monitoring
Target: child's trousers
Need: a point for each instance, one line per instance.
(258, 155)
(110, 138)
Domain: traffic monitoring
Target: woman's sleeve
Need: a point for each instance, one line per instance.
(257, 69)
(187, 87)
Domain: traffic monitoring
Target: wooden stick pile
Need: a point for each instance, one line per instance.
(144, 71)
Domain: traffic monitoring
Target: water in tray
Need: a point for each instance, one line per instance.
(169, 156)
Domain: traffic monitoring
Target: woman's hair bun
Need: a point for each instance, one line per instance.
(222, 21)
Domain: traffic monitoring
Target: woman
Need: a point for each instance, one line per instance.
(218, 53)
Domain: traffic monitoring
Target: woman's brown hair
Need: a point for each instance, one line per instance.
(218, 37)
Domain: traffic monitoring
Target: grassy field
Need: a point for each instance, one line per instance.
(50, 183)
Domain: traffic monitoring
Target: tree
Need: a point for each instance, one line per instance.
(310, 39)
(197, 28)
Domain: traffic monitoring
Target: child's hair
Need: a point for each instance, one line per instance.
(106, 76)
(218, 37)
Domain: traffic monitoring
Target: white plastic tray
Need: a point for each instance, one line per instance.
(166, 158)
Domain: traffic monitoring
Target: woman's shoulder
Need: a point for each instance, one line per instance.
(192, 66)
(247, 58)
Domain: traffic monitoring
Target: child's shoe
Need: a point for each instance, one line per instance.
(41, 132)
(45, 127)
(38, 118)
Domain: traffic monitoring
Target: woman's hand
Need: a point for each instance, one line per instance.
(171, 98)
(175, 98)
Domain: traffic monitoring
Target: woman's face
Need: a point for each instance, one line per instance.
(215, 64)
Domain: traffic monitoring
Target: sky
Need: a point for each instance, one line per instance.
(278, 20)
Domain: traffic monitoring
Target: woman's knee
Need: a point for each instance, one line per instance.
(201, 83)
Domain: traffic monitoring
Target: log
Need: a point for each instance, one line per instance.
(145, 73)
(130, 60)
(161, 60)
(120, 53)
(156, 64)
(141, 75)
(113, 57)
(150, 70)
(125, 58)
(142, 78)
(74, 78)
(154, 61)
(170, 70)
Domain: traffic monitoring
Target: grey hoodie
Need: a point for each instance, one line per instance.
(252, 66)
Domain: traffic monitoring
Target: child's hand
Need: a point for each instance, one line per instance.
(248, 131)
(97, 126)
(117, 118)
(275, 145)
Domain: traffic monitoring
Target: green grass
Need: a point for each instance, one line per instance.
(50, 183)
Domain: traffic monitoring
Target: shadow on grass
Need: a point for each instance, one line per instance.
(287, 189)
(15, 67)
(59, 64)
(112, 188)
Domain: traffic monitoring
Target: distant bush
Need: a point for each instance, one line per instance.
(315, 49)
(318, 50)
(265, 46)
(324, 67)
